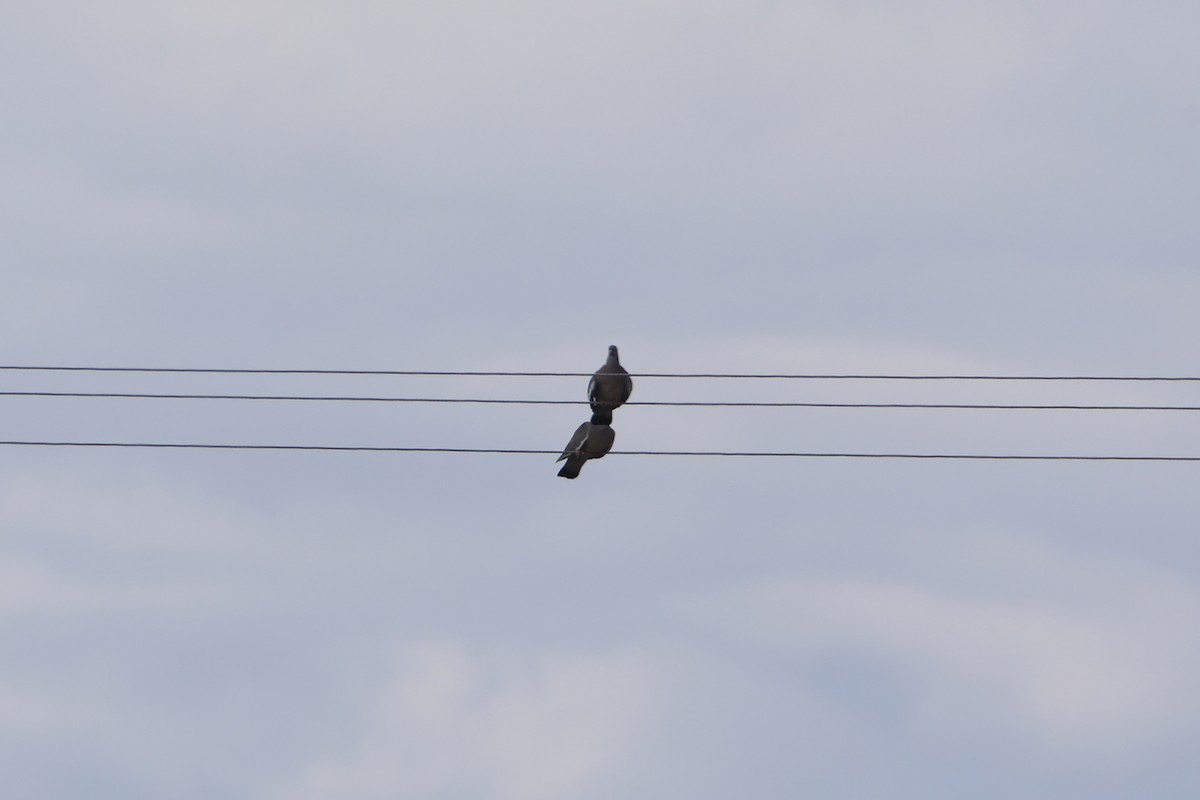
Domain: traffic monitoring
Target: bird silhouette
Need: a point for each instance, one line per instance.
(592, 439)
(611, 385)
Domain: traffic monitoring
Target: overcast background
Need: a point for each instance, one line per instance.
(983, 187)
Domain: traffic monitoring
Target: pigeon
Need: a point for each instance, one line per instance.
(610, 386)
(591, 440)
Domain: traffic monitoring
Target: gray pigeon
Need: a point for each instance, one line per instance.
(591, 440)
(610, 386)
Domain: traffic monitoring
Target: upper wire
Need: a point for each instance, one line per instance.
(713, 375)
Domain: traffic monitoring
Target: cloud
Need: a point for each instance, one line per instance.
(938, 187)
(84, 546)
(1078, 654)
(455, 720)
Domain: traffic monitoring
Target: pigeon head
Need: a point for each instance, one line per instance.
(613, 358)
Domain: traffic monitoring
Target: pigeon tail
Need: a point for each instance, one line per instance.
(602, 416)
(571, 468)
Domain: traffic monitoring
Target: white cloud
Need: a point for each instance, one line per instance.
(457, 720)
(759, 186)
(81, 544)
(1075, 653)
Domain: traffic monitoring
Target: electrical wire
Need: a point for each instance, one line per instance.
(660, 403)
(712, 375)
(517, 401)
(512, 451)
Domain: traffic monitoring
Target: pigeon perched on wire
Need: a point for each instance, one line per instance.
(591, 440)
(610, 386)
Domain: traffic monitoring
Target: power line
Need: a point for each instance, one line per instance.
(712, 375)
(301, 398)
(512, 451)
(670, 403)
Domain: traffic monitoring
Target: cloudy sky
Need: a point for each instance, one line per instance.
(927, 187)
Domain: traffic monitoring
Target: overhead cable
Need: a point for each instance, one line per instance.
(682, 453)
(711, 375)
(517, 401)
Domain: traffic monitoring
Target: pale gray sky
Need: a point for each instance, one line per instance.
(852, 187)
